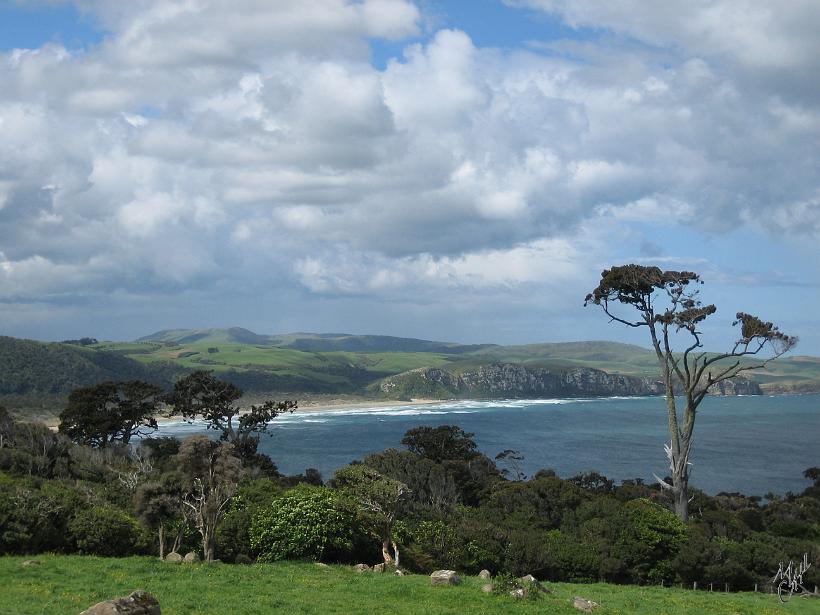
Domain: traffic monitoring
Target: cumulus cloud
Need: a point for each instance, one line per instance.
(216, 146)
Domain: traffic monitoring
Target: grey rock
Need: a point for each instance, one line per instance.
(30, 562)
(487, 588)
(322, 565)
(378, 568)
(582, 604)
(173, 557)
(399, 572)
(361, 568)
(190, 557)
(518, 381)
(485, 575)
(444, 577)
(139, 602)
(530, 582)
(518, 592)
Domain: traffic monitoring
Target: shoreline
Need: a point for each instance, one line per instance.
(309, 407)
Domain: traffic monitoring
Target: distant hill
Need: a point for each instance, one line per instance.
(36, 377)
(232, 335)
(311, 342)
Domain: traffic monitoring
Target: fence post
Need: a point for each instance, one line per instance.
(727, 588)
(710, 586)
(695, 585)
(755, 587)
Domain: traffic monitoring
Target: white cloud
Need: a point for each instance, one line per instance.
(253, 145)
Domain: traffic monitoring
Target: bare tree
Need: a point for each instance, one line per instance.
(667, 305)
(213, 474)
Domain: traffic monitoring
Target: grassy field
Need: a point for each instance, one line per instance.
(69, 584)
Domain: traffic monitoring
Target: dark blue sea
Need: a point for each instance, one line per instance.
(754, 444)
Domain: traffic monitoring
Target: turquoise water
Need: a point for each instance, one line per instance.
(754, 444)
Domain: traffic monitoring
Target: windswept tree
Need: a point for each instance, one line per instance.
(212, 474)
(442, 443)
(667, 304)
(110, 412)
(379, 499)
(201, 394)
(158, 504)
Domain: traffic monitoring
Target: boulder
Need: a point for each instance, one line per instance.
(399, 572)
(361, 568)
(529, 582)
(322, 565)
(139, 602)
(485, 575)
(444, 577)
(30, 562)
(487, 588)
(582, 604)
(518, 592)
(378, 568)
(173, 557)
(190, 557)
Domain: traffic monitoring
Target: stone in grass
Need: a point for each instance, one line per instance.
(173, 557)
(487, 588)
(361, 568)
(529, 582)
(30, 562)
(399, 572)
(444, 577)
(191, 557)
(582, 604)
(485, 575)
(378, 568)
(139, 602)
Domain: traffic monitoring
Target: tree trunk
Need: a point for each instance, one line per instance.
(178, 539)
(680, 491)
(208, 542)
(388, 559)
(162, 541)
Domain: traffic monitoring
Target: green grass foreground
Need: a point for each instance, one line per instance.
(69, 584)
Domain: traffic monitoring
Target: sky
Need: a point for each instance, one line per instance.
(441, 169)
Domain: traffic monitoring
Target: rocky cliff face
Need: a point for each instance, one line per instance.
(517, 381)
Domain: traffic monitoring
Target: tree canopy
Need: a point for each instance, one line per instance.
(110, 411)
(201, 394)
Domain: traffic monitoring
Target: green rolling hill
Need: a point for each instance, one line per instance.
(38, 376)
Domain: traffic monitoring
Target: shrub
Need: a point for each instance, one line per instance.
(651, 537)
(305, 523)
(106, 531)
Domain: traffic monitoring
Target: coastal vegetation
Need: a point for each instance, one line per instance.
(439, 503)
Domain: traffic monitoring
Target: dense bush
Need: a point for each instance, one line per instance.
(305, 523)
(102, 530)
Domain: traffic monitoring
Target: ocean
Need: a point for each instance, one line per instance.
(751, 444)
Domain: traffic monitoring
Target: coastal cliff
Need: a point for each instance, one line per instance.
(507, 380)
